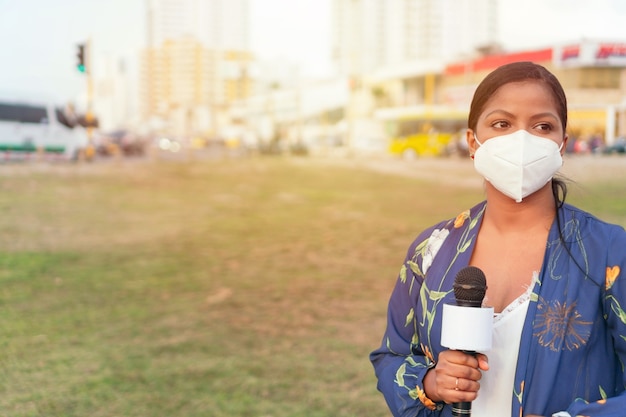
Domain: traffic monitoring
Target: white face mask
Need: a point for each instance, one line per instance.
(518, 164)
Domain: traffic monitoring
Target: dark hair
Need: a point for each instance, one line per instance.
(517, 72)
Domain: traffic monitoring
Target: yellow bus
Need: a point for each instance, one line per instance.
(422, 130)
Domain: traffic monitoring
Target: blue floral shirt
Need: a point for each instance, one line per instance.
(573, 346)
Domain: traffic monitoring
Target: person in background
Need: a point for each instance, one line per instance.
(555, 277)
(595, 143)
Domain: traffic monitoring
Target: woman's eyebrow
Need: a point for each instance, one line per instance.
(505, 113)
(500, 112)
(545, 114)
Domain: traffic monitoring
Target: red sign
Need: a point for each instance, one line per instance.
(606, 51)
(570, 52)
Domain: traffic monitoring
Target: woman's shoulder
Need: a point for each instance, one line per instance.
(590, 221)
(463, 218)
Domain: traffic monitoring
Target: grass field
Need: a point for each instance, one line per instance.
(232, 287)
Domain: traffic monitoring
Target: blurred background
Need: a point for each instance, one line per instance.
(235, 283)
(307, 76)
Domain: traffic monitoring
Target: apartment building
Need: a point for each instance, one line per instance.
(398, 48)
(372, 35)
(197, 61)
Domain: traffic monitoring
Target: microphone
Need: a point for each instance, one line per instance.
(467, 326)
(470, 286)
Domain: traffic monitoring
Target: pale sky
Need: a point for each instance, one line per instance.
(38, 37)
(528, 23)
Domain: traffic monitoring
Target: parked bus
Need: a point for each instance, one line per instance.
(422, 130)
(37, 127)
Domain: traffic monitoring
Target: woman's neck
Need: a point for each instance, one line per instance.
(536, 210)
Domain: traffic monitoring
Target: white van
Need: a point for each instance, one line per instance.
(29, 127)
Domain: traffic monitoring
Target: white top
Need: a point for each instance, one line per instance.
(496, 385)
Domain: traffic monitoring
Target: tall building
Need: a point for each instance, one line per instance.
(397, 49)
(196, 62)
(370, 35)
(179, 83)
(470, 26)
(216, 24)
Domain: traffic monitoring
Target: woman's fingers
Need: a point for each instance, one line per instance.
(457, 375)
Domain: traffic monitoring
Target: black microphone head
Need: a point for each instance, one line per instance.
(470, 286)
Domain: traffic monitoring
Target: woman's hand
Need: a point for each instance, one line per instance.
(455, 377)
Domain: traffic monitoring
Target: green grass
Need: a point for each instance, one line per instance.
(230, 287)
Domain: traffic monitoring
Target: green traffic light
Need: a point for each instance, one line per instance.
(80, 57)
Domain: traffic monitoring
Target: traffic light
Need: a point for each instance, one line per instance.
(81, 62)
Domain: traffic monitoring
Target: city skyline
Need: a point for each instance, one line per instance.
(40, 47)
(38, 38)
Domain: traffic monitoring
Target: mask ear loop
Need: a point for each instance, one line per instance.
(477, 141)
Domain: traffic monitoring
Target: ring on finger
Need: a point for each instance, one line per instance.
(456, 385)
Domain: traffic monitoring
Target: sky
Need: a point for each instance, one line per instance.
(38, 37)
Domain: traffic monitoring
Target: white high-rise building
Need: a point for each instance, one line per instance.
(470, 25)
(197, 61)
(370, 35)
(216, 24)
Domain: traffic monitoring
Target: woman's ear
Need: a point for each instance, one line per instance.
(564, 146)
(471, 142)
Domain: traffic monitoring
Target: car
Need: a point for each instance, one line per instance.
(121, 140)
(619, 146)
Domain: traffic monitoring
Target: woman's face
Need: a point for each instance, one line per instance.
(524, 105)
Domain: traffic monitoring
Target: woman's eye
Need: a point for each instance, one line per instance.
(500, 124)
(544, 127)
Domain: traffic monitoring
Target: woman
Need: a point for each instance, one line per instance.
(554, 277)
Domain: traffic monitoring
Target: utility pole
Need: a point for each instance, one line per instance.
(84, 65)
